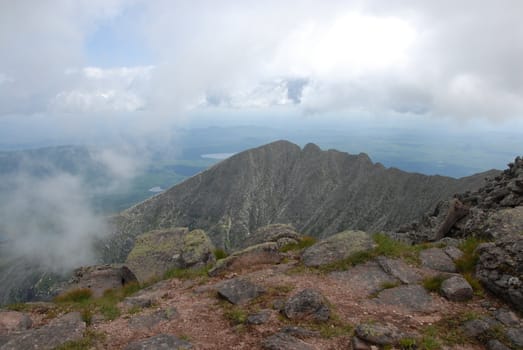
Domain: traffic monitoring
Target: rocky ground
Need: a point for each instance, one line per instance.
(382, 295)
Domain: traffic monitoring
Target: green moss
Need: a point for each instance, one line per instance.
(187, 273)
(304, 242)
(220, 254)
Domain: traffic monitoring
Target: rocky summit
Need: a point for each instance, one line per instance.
(452, 279)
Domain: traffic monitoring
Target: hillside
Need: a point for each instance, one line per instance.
(319, 192)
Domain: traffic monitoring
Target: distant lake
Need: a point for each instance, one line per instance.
(156, 189)
(217, 155)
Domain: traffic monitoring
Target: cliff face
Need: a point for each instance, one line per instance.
(319, 192)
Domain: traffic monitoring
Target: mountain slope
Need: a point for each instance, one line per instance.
(319, 192)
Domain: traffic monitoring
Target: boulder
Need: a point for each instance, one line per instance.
(456, 288)
(283, 341)
(307, 304)
(453, 252)
(515, 336)
(379, 334)
(59, 331)
(366, 278)
(475, 328)
(14, 321)
(160, 341)
(150, 320)
(399, 270)
(507, 317)
(263, 253)
(99, 278)
(495, 344)
(411, 297)
(281, 234)
(436, 259)
(239, 291)
(158, 251)
(337, 247)
(500, 268)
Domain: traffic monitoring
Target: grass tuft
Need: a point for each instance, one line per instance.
(433, 284)
(89, 341)
(187, 273)
(220, 254)
(74, 296)
(305, 242)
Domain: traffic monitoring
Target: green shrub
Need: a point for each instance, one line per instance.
(304, 242)
(75, 296)
(220, 254)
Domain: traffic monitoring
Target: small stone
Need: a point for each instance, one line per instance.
(259, 317)
(379, 334)
(160, 341)
(358, 344)
(239, 291)
(282, 341)
(475, 328)
(307, 304)
(456, 288)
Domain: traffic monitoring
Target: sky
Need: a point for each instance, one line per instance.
(436, 80)
(75, 70)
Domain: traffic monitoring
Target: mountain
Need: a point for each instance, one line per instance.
(319, 192)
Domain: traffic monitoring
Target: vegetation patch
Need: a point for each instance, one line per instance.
(385, 246)
(467, 263)
(75, 296)
(220, 254)
(187, 273)
(433, 284)
(304, 242)
(89, 341)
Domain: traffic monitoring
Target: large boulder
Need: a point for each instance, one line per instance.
(239, 291)
(99, 278)
(500, 268)
(281, 234)
(12, 321)
(337, 247)
(59, 331)
(158, 251)
(259, 254)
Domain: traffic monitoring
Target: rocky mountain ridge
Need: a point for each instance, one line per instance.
(319, 192)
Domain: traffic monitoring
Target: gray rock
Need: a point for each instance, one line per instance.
(436, 259)
(358, 344)
(158, 342)
(507, 317)
(307, 304)
(283, 341)
(259, 317)
(239, 291)
(337, 247)
(365, 278)
(262, 253)
(475, 328)
(157, 251)
(411, 297)
(13, 321)
(495, 344)
(400, 270)
(151, 319)
(99, 278)
(280, 234)
(515, 335)
(500, 268)
(300, 332)
(59, 331)
(453, 252)
(456, 288)
(380, 334)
